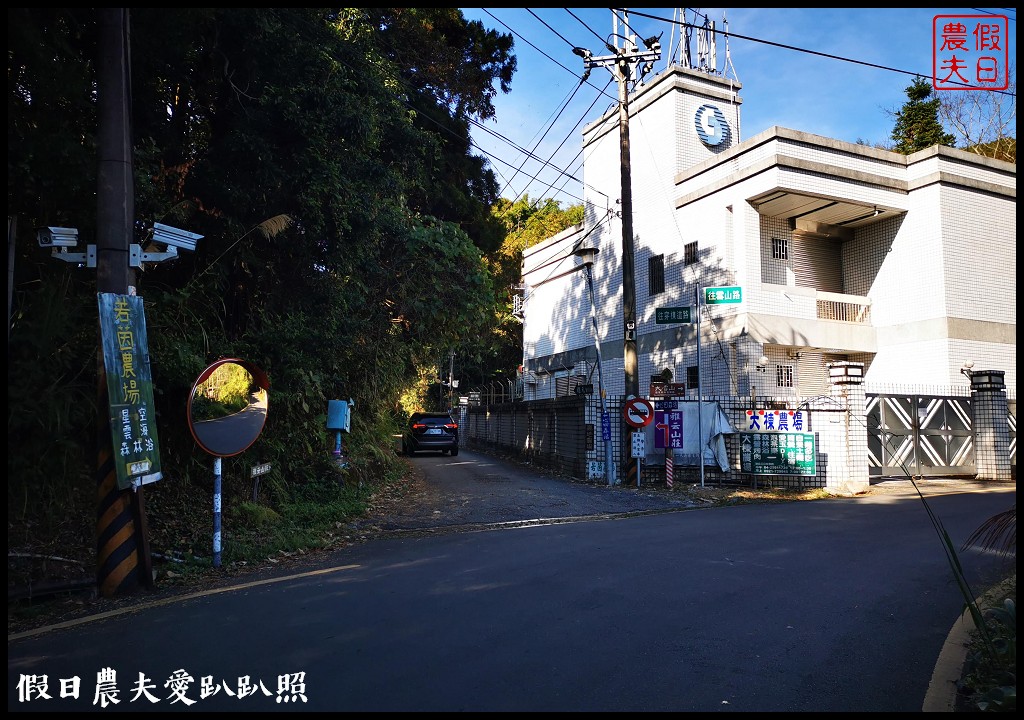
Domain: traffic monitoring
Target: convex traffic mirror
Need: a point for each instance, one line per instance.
(227, 408)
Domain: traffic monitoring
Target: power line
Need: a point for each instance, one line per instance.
(799, 49)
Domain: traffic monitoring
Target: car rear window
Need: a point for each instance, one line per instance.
(432, 419)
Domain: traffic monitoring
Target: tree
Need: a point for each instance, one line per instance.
(917, 122)
(332, 256)
(984, 121)
(527, 222)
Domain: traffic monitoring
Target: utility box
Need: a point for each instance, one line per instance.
(339, 415)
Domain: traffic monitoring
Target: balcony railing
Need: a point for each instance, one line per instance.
(844, 308)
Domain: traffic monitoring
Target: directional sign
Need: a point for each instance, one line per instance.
(725, 295)
(666, 315)
(669, 429)
(662, 390)
(260, 469)
(638, 412)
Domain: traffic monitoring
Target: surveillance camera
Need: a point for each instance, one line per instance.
(175, 237)
(57, 237)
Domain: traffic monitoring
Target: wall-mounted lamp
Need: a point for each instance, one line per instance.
(967, 370)
(762, 364)
(586, 254)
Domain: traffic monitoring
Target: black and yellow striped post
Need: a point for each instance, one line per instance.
(119, 532)
(632, 468)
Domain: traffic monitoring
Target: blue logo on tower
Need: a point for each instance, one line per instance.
(712, 129)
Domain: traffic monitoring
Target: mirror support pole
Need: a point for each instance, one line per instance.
(216, 511)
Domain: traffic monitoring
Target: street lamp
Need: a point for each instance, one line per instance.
(968, 369)
(587, 255)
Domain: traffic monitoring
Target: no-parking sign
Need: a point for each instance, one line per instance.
(638, 412)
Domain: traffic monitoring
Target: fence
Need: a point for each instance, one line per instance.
(906, 433)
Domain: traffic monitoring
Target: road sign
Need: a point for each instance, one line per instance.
(668, 429)
(606, 426)
(638, 447)
(638, 412)
(661, 390)
(725, 295)
(666, 315)
(260, 469)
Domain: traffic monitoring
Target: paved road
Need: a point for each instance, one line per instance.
(834, 605)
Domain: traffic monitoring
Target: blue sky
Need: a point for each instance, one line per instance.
(780, 57)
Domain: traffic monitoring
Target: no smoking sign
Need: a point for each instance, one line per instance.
(638, 412)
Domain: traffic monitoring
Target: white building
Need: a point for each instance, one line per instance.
(841, 251)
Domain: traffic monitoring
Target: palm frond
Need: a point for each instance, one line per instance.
(275, 225)
(998, 533)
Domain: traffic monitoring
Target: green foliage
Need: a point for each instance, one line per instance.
(990, 675)
(254, 515)
(324, 156)
(917, 122)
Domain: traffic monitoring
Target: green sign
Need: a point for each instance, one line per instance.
(777, 453)
(129, 390)
(666, 315)
(723, 295)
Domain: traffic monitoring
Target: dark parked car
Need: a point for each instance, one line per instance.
(431, 431)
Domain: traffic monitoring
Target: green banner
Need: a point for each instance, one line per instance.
(776, 453)
(129, 389)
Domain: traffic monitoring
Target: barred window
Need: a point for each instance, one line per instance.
(690, 253)
(692, 376)
(780, 249)
(656, 275)
(784, 376)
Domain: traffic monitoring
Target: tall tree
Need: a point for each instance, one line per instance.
(332, 257)
(527, 222)
(917, 122)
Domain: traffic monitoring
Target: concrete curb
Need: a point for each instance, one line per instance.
(949, 668)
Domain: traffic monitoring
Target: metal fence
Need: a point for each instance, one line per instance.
(919, 434)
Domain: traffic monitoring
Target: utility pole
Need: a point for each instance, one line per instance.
(123, 561)
(621, 63)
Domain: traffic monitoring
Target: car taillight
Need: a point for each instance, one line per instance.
(418, 426)
(452, 426)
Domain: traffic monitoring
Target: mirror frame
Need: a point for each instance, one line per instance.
(258, 376)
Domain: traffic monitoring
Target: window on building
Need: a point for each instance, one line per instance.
(784, 376)
(780, 249)
(690, 253)
(656, 274)
(692, 377)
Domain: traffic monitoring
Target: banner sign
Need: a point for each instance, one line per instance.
(777, 453)
(778, 420)
(129, 389)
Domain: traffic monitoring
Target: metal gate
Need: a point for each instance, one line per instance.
(920, 435)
